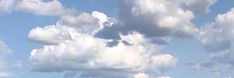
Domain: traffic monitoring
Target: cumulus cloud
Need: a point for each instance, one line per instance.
(217, 39)
(37, 7)
(51, 34)
(41, 7)
(68, 24)
(159, 20)
(156, 18)
(67, 47)
(85, 22)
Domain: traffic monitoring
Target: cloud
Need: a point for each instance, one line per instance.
(6, 5)
(4, 51)
(51, 34)
(159, 20)
(217, 39)
(141, 75)
(68, 24)
(41, 7)
(164, 77)
(156, 18)
(67, 47)
(85, 22)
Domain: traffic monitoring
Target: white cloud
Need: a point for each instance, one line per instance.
(85, 22)
(68, 24)
(159, 18)
(40, 7)
(67, 48)
(87, 52)
(156, 18)
(217, 39)
(100, 16)
(164, 77)
(6, 5)
(51, 34)
(141, 75)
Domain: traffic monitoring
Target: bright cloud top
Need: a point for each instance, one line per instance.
(161, 17)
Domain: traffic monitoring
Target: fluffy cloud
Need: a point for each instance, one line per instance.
(37, 7)
(67, 47)
(4, 51)
(217, 39)
(40, 7)
(66, 26)
(157, 18)
(6, 5)
(85, 22)
(51, 34)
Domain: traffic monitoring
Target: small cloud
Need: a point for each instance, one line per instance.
(41, 7)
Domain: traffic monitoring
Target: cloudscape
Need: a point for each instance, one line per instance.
(116, 38)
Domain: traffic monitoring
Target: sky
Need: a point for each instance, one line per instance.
(116, 39)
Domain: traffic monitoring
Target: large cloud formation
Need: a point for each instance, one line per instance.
(93, 45)
(68, 47)
(217, 39)
(157, 18)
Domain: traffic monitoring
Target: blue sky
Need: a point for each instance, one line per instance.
(204, 50)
